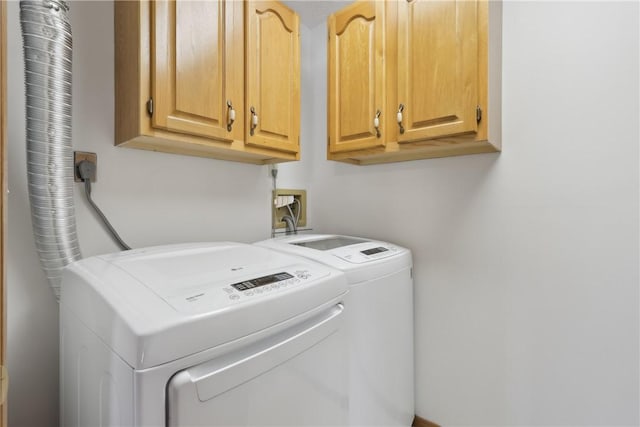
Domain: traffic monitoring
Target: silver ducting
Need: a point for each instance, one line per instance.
(46, 34)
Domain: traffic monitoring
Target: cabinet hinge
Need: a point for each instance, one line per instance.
(328, 141)
(478, 114)
(150, 106)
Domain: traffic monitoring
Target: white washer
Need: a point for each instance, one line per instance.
(221, 334)
(379, 321)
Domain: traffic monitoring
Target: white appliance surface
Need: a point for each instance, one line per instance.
(202, 334)
(360, 259)
(278, 382)
(154, 305)
(379, 322)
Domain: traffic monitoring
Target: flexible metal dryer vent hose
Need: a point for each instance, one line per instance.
(46, 34)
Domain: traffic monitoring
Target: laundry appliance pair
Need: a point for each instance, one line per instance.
(312, 330)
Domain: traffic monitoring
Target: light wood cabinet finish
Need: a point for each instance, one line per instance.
(273, 76)
(442, 62)
(193, 68)
(437, 68)
(356, 77)
(189, 58)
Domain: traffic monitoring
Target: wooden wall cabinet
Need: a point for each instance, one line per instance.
(427, 70)
(356, 70)
(185, 83)
(273, 76)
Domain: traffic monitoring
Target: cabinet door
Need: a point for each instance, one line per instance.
(437, 68)
(197, 66)
(273, 76)
(356, 76)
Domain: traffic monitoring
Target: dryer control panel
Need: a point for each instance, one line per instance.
(221, 294)
(269, 283)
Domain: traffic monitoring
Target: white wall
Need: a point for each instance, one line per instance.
(151, 198)
(526, 262)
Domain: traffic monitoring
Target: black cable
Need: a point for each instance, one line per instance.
(112, 231)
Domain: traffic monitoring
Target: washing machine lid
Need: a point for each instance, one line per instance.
(158, 304)
(361, 259)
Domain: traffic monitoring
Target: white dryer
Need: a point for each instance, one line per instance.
(221, 334)
(379, 322)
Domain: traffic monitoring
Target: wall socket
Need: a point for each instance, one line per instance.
(300, 206)
(79, 156)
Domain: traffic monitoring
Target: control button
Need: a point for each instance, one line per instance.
(228, 290)
(258, 290)
(234, 297)
(248, 293)
(296, 281)
(302, 274)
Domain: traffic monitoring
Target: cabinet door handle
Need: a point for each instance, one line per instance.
(376, 123)
(231, 115)
(254, 121)
(399, 117)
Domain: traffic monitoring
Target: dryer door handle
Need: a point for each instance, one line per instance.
(229, 371)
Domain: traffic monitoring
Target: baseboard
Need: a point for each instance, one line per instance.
(421, 422)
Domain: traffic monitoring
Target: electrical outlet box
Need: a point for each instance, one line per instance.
(298, 206)
(79, 156)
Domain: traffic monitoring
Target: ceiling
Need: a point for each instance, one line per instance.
(314, 12)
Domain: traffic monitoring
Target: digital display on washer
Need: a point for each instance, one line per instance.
(329, 243)
(262, 281)
(374, 250)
